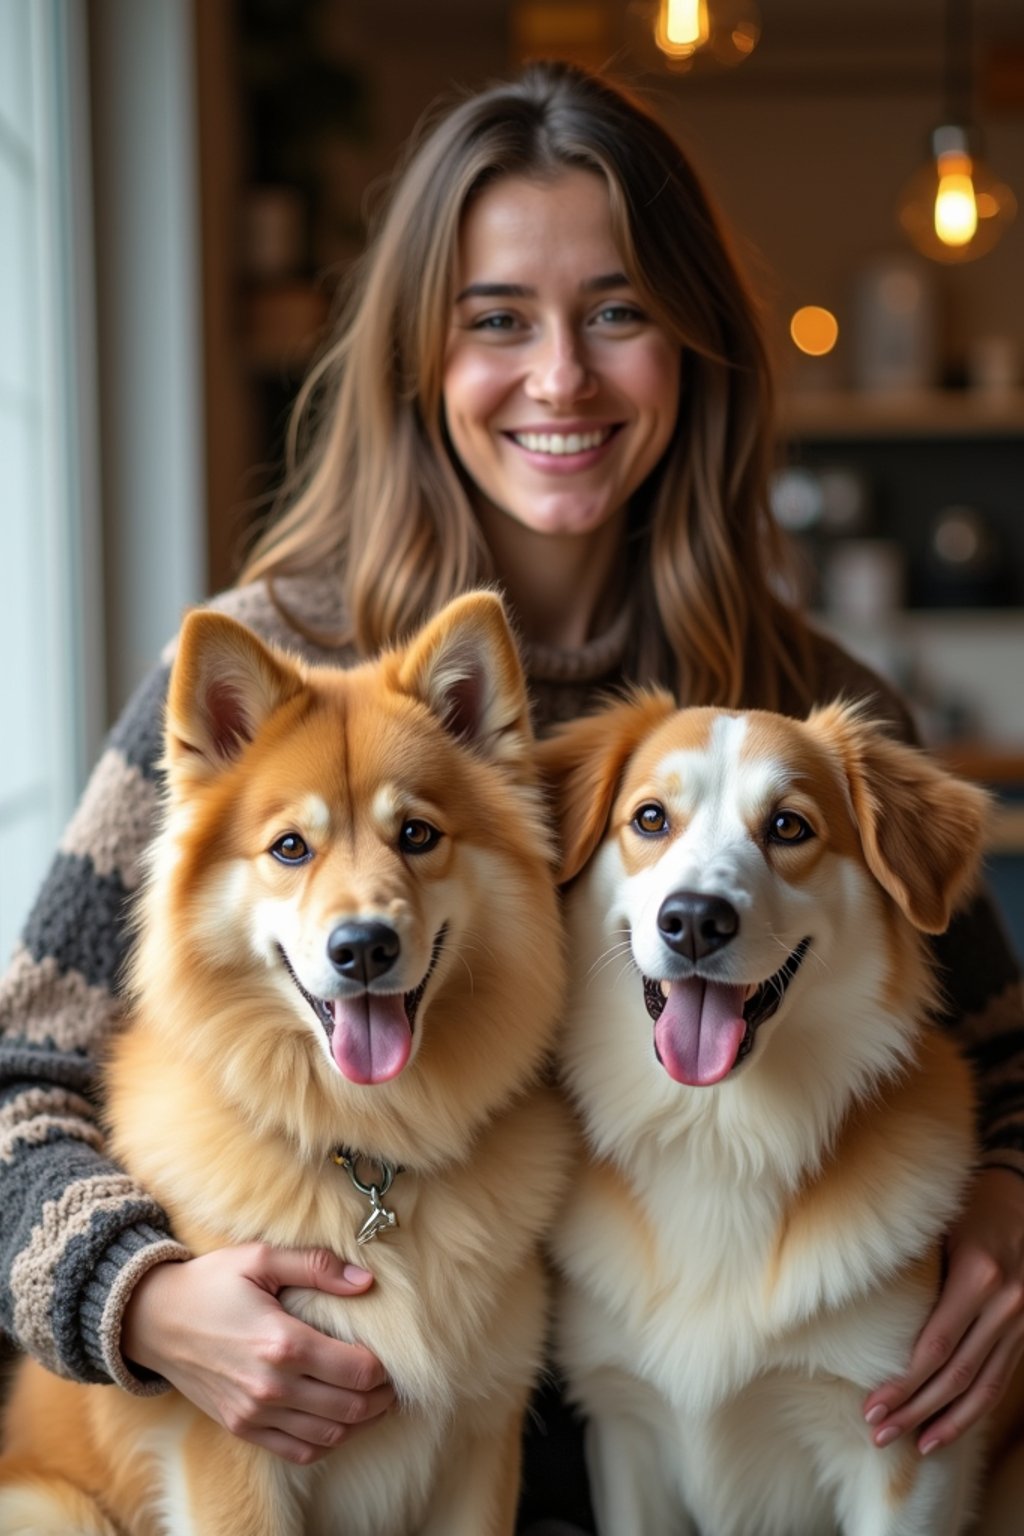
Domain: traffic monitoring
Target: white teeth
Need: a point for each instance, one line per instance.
(562, 443)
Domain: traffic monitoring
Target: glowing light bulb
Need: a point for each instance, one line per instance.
(682, 27)
(692, 34)
(956, 207)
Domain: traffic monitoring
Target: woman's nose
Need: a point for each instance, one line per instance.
(561, 373)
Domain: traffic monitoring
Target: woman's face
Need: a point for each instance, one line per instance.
(560, 391)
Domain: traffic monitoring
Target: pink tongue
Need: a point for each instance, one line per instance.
(372, 1039)
(700, 1030)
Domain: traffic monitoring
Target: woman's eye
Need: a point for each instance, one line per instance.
(620, 314)
(788, 827)
(496, 322)
(418, 836)
(651, 819)
(291, 849)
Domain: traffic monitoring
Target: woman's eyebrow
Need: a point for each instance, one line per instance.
(496, 291)
(602, 284)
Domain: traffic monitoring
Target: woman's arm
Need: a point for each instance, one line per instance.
(75, 1232)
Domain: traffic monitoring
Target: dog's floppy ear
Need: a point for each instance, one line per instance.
(224, 684)
(582, 764)
(465, 667)
(922, 829)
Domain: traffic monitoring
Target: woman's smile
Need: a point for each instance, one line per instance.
(566, 450)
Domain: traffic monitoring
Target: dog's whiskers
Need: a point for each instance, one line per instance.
(811, 951)
(613, 952)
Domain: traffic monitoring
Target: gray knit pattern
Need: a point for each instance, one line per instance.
(76, 1233)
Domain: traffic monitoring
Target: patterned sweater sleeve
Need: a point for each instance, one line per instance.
(76, 1233)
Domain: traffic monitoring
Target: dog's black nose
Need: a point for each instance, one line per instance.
(696, 925)
(363, 951)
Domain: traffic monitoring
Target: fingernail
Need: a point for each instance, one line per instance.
(356, 1275)
(928, 1446)
(887, 1435)
(876, 1414)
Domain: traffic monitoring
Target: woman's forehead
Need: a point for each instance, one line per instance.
(519, 221)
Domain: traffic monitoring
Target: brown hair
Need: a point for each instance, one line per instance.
(375, 493)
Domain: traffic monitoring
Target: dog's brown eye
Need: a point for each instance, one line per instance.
(291, 849)
(788, 827)
(418, 837)
(651, 819)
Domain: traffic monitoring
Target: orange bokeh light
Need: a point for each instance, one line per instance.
(814, 330)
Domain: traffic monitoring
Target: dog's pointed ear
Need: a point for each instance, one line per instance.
(224, 684)
(921, 828)
(582, 764)
(465, 667)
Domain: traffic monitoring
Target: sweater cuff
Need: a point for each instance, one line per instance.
(137, 1250)
(1003, 1157)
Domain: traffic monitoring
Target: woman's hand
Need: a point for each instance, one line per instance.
(213, 1327)
(966, 1352)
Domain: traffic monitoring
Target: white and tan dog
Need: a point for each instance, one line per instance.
(779, 1137)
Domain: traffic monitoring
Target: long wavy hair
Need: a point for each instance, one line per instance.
(373, 490)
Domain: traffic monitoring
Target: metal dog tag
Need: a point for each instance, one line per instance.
(379, 1221)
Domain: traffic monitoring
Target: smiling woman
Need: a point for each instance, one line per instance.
(550, 268)
(561, 394)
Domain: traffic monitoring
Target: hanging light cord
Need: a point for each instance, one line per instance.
(959, 49)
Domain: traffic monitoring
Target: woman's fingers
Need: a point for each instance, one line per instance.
(950, 1348)
(971, 1381)
(965, 1354)
(985, 1391)
(214, 1327)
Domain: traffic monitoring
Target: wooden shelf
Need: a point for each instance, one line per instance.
(921, 413)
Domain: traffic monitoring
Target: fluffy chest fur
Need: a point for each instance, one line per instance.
(442, 1276)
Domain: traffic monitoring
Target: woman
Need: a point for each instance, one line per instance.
(549, 374)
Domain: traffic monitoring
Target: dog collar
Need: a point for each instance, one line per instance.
(380, 1220)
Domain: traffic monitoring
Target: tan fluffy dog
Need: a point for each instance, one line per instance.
(349, 939)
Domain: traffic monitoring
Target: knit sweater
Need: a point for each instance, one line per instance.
(76, 1233)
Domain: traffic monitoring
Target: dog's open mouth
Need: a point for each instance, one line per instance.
(703, 1029)
(370, 1033)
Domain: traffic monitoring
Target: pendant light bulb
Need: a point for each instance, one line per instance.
(695, 34)
(682, 27)
(954, 209)
(956, 206)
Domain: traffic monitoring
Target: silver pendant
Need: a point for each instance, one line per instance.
(380, 1220)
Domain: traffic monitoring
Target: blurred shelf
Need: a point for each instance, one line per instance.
(1002, 768)
(930, 413)
(987, 763)
(1006, 833)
